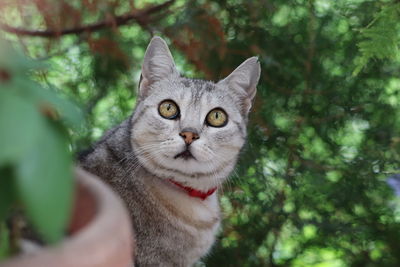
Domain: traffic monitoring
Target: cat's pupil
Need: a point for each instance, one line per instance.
(168, 107)
(216, 115)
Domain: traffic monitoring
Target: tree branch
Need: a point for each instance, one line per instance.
(140, 16)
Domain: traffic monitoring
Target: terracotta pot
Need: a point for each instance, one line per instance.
(100, 232)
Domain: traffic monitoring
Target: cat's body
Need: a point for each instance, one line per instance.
(184, 226)
(169, 157)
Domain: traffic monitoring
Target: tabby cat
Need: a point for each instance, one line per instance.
(168, 159)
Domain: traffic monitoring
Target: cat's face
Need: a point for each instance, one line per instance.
(190, 130)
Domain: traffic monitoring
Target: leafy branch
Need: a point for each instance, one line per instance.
(381, 37)
(142, 17)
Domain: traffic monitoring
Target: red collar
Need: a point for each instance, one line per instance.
(193, 192)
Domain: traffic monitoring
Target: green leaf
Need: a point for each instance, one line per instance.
(6, 191)
(15, 61)
(380, 38)
(67, 110)
(44, 182)
(4, 241)
(19, 124)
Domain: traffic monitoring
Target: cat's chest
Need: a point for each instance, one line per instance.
(190, 223)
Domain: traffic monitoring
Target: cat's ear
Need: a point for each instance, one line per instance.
(243, 81)
(158, 64)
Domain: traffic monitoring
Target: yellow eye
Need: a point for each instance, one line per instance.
(217, 118)
(168, 109)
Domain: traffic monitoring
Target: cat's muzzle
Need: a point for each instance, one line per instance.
(186, 154)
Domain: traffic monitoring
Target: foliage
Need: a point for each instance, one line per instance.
(35, 162)
(310, 189)
(381, 38)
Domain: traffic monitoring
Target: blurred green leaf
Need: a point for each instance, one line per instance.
(67, 110)
(19, 124)
(15, 62)
(4, 241)
(7, 193)
(45, 184)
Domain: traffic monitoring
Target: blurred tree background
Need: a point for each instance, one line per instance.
(324, 133)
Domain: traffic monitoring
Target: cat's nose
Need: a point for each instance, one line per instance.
(189, 136)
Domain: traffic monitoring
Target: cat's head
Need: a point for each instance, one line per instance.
(190, 130)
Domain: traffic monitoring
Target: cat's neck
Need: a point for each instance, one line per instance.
(191, 210)
(193, 192)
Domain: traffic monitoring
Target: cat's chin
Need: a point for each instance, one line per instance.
(185, 155)
(191, 172)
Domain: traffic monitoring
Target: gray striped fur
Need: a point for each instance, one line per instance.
(137, 157)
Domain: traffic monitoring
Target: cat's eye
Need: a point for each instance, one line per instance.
(168, 109)
(217, 118)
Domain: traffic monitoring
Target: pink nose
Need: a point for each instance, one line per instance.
(189, 137)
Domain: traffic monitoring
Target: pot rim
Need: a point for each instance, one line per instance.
(109, 233)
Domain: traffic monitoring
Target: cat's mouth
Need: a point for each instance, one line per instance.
(186, 155)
